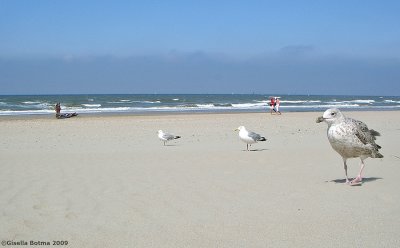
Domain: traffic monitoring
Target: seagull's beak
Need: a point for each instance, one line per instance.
(319, 119)
(236, 129)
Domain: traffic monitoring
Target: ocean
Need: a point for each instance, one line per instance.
(187, 103)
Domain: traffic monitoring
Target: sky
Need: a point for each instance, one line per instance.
(343, 47)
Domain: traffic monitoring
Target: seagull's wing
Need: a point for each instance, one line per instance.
(362, 132)
(254, 136)
(168, 136)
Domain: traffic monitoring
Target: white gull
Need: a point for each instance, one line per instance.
(249, 137)
(165, 137)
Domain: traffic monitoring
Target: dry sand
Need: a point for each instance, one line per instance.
(107, 181)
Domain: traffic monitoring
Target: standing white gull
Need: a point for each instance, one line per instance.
(166, 136)
(249, 137)
(351, 139)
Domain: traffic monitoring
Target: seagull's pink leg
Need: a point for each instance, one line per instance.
(358, 179)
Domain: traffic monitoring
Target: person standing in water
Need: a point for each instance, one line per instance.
(58, 109)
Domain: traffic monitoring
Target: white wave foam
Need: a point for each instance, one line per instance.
(146, 101)
(30, 102)
(352, 102)
(249, 105)
(362, 101)
(25, 112)
(391, 101)
(129, 101)
(92, 105)
(36, 106)
(300, 101)
(322, 106)
(101, 110)
(205, 106)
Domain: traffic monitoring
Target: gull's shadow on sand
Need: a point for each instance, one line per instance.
(364, 180)
(255, 150)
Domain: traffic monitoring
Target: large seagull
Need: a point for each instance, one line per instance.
(351, 139)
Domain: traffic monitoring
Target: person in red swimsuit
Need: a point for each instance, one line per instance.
(272, 104)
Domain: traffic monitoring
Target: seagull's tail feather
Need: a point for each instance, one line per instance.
(374, 133)
(376, 153)
(262, 139)
(177, 137)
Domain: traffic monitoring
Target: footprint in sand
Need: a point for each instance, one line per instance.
(37, 207)
(71, 216)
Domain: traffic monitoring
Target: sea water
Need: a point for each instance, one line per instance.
(152, 103)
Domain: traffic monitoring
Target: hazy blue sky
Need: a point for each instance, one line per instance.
(286, 47)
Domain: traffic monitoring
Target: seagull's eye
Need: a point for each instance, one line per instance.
(333, 113)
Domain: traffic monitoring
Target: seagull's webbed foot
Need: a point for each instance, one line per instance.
(356, 181)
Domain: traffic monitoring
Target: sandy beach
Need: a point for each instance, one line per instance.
(108, 181)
